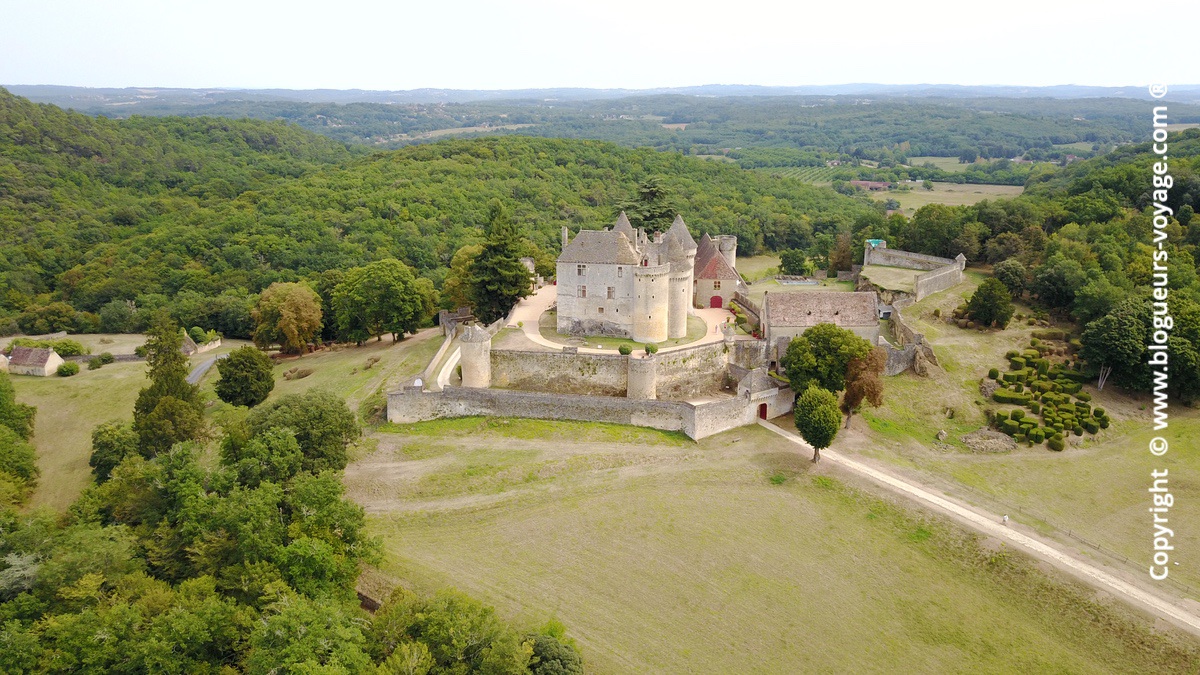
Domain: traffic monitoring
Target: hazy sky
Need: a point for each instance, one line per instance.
(480, 44)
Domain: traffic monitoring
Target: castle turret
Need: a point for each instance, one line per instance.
(651, 289)
(475, 347)
(681, 251)
(642, 377)
(727, 245)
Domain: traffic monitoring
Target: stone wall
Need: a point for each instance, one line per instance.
(696, 420)
(753, 311)
(560, 372)
(117, 358)
(909, 341)
(938, 280)
(896, 258)
(691, 372)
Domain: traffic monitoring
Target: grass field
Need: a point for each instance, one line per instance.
(69, 408)
(1096, 489)
(950, 164)
(758, 290)
(891, 278)
(663, 555)
(758, 267)
(952, 194)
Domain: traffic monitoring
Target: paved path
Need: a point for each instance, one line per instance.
(202, 368)
(530, 309)
(990, 525)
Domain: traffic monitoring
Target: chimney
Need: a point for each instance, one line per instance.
(564, 243)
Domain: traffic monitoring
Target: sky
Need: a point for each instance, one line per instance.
(481, 44)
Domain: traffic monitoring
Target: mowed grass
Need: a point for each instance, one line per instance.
(67, 411)
(891, 278)
(758, 267)
(952, 194)
(950, 164)
(662, 555)
(1095, 489)
(761, 288)
(69, 408)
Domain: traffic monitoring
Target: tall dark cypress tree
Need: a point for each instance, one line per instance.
(169, 410)
(498, 279)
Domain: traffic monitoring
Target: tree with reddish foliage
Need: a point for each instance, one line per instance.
(864, 382)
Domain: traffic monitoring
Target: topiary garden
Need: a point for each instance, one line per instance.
(1052, 407)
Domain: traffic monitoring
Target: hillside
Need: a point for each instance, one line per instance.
(94, 211)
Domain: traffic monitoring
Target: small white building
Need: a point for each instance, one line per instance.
(33, 361)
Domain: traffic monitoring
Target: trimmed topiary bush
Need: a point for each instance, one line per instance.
(1016, 363)
(1017, 414)
(1001, 416)
(1098, 413)
(1055, 444)
(651, 348)
(1104, 422)
(994, 373)
(95, 363)
(1078, 431)
(625, 350)
(1010, 427)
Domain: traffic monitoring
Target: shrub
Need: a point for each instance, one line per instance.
(962, 323)
(1049, 334)
(1017, 414)
(140, 351)
(301, 373)
(1011, 354)
(95, 363)
(1018, 387)
(1083, 396)
(63, 347)
(68, 369)
(651, 348)
(198, 335)
(1020, 438)
(1010, 427)
(1098, 413)
(1035, 407)
(1055, 444)
(1006, 396)
(1104, 422)
(1078, 431)
(625, 350)
(1037, 436)
(994, 373)
(1091, 426)
(106, 358)
(937, 313)
(1016, 363)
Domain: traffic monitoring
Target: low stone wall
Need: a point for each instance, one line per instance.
(696, 420)
(910, 342)
(753, 311)
(691, 372)
(897, 258)
(938, 280)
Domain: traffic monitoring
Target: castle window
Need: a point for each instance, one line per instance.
(716, 285)
(599, 310)
(580, 270)
(583, 291)
(612, 293)
(620, 272)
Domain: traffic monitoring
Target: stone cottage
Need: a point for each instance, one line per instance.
(787, 315)
(716, 276)
(33, 361)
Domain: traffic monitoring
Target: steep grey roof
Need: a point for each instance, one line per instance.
(809, 308)
(599, 246)
(682, 238)
(710, 264)
(188, 347)
(624, 227)
(757, 380)
(29, 356)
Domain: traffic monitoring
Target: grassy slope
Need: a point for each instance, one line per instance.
(666, 556)
(953, 194)
(1095, 489)
(69, 408)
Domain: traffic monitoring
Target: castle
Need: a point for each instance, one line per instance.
(621, 282)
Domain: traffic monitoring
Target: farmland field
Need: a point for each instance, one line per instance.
(952, 194)
(729, 555)
(808, 174)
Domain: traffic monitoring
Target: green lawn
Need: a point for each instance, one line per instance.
(953, 194)
(758, 267)
(662, 555)
(891, 278)
(758, 290)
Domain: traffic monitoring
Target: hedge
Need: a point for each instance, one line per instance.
(1010, 427)
(1017, 414)
(1049, 334)
(1016, 363)
(1056, 444)
(68, 369)
(1098, 413)
(1006, 396)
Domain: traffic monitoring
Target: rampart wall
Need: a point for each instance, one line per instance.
(897, 258)
(937, 280)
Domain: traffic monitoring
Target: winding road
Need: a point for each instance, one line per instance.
(202, 368)
(990, 524)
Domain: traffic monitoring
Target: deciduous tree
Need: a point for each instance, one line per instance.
(246, 377)
(864, 382)
(820, 355)
(289, 315)
(817, 418)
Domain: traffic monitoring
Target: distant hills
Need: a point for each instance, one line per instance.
(93, 99)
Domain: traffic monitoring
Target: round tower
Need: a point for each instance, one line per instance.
(642, 378)
(651, 288)
(680, 303)
(727, 245)
(475, 347)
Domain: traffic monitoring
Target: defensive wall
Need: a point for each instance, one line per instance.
(880, 255)
(911, 346)
(937, 280)
(941, 274)
(696, 420)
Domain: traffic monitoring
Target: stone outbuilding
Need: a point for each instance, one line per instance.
(716, 276)
(3, 363)
(34, 361)
(787, 315)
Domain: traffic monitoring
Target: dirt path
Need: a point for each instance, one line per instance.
(990, 525)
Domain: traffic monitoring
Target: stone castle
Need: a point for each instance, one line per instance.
(622, 282)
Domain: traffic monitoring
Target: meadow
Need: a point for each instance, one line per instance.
(732, 554)
(1094, 491)
(821, 175)
(951, 194)
(69, 408)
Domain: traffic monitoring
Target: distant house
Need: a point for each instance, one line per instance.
(3, 363)
(787, 315)
(871, 185)
(715, 278)
(33, 361)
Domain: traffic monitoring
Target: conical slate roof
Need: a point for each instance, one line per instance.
(679, 232)
(624, 227)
